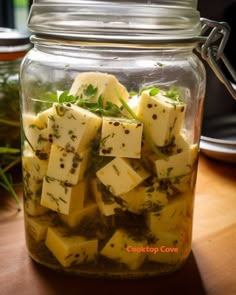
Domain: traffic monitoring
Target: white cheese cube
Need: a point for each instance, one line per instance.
(45, 115)
(36, 168)
(121, 138)
(60, 196)
(169, 218)
(119, 249)
(162, 117)
(145, 199)
(177, 165)
(37, 226)
(107, 86)
(169, 248)
(67, 166)
(133, 103)
(72, 127)
(36, 133)
(70, 250)
(122, 175)
(32, 186)
(106, 205)
(33, 207)
(75, 217)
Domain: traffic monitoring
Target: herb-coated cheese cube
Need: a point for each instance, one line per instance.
(103, 84)
(177, 165)
(60, 196)
(67, 166)
(36, 133)
(145, 199)
(70, 250)
(162, 117)
(122, 175)
(72, 127)
(106, 203)
(32, 207)
(169, 217)
(170, 248)
(37, 226)
(117, 250)
(121, 138)
(37, 168)
(74, 218)
(44, 115)
(32, 186)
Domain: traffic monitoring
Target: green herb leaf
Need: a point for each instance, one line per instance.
(173, 94)
(154, 91)
(90, 91)
(65, 97)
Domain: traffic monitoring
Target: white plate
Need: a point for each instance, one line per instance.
(218, 138)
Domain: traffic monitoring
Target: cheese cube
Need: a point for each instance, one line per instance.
(103, 84)
(106, 203)
(36, 168)
(70, 250)
(37, 226)
(36, 133)
(169, 218)
(121, 138)
(32, 207)
(122, 175)
(145, 199)
(74, 218)
(162, 117)
(177, 165)
(45, 115)
(119, 249)
(67, 166)
(170, 248)
(71, 127)
(60, 196)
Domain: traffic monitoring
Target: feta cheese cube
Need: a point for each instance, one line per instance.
(70, 250)
(37, 226)
(145, 199)
(67, 166)
(33, 207)
(122, 175)
(72, 127)
(60, 196)
(33, 165)
(107, 86)
(119, 249)
(36, 133)
(121, 138)
(170, 248)
(177, 165)
(162, 117)
(75, 217)
(169, 218)
(106, 205)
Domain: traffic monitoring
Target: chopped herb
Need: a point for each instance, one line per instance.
(116, 170)
(154, 91)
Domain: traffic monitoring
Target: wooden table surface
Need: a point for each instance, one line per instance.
(210, 269)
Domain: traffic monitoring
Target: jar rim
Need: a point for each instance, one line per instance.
(127, 21)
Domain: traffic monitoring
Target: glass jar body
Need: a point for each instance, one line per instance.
(110, 148)
(9, 103)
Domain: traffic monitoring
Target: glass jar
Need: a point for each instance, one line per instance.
(112, 99)
(13, 46)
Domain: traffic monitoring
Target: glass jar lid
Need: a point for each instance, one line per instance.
(120, 21)
(13, 44)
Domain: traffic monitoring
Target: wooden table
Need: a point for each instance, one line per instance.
(210, 269)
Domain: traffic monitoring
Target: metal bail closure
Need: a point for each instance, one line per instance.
(212, 50)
